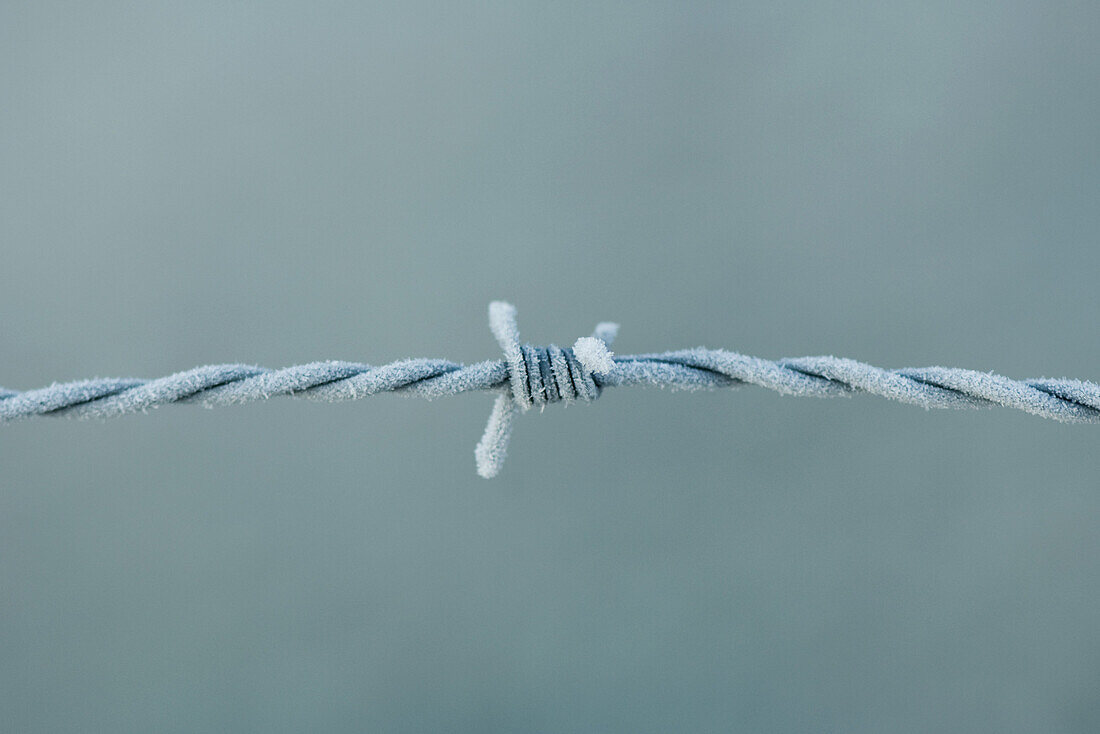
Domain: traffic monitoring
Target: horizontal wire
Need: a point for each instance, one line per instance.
(535, 376)
(1072, 401)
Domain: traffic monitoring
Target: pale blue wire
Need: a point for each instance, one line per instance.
(531, 376)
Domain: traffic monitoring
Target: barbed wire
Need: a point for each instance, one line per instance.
(536, 376)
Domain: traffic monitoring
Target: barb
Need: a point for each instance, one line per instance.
(531, 376)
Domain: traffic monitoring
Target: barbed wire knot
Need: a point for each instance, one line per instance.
(539, 376)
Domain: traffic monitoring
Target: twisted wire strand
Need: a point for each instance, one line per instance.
(535, 376)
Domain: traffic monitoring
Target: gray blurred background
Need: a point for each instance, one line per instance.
(906, 183)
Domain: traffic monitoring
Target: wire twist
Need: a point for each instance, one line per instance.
(538, 376)
(531, 376)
